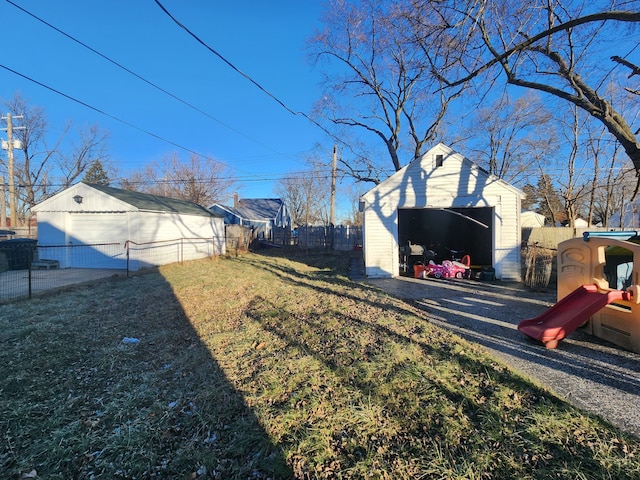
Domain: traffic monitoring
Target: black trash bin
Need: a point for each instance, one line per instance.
(19, 252)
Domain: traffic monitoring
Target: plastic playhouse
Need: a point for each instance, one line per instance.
(598, 290)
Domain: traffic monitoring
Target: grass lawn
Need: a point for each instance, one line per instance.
(265, 367)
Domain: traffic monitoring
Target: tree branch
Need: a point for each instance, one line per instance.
(635, 70)
(619, 16)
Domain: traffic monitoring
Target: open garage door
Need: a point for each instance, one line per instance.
(443, 230)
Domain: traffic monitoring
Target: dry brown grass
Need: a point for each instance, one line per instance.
(267, 367)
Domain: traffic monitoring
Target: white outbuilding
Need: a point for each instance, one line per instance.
(530, 219)
(448, 205)
(95, 226)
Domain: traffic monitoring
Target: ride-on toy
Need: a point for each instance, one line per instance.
(448, 269)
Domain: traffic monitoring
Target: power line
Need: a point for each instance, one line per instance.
(113, 117)
(315, 176)
(91, 107)
(246, 76)
(148, 82)
(131, 72)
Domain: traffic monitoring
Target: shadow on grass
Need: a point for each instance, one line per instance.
(475, 401)
(477, 311)
(600, 378)
(78, 400)
(114, 382)
(336, 262)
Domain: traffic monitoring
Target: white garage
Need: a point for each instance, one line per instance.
(95, 226)
(447, 204)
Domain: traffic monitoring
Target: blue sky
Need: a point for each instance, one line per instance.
(249, 131)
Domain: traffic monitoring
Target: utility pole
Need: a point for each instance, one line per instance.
(10, 167)
(332, 214)
(3, 204)
(12, 185)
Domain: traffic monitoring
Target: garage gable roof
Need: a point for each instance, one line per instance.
(121, 198)
(155, 203)
(426, 163)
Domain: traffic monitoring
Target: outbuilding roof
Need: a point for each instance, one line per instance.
(122, 200)
(425, 164)
(156, 203)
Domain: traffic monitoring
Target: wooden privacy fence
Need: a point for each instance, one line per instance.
(538, 263)
(341, 237)
(540, 248)
(550, 237)
(238, 238)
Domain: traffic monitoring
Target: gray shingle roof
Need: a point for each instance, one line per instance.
(255, 209)
(155, 203)
(266, 208)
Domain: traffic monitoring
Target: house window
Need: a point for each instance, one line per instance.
(439, 160)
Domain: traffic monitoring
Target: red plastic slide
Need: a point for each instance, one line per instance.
(569, 313)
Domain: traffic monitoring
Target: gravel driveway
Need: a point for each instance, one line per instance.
(591, 373)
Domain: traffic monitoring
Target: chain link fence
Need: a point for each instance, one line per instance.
(27, 268)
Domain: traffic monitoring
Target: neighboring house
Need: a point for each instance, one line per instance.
(261, 214)
(95, 222)
(444, 202)
(531, 219)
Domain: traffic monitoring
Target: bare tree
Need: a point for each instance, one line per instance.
(199, 180)
(509, 137)
(613, 195)
(596, 163)
(42, 168)
(380, 81)
(635, 70)
(595, 151)
(551, 46)
(90, 147)
(573, 183)
(352, 197)
(306, 194)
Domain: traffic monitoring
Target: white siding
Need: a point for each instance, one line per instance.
(52, 226)
(457, 183)
(508, 249)
(92, 201)
(380, 247)
(97, 240)
(89, 228)
(102, 219)
(153, 226)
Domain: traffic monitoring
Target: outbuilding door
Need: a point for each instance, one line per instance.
(96, 240)
(449, 231)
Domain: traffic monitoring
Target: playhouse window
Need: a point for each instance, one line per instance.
(618, 267)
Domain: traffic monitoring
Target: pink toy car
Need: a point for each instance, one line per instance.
(448, 269)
